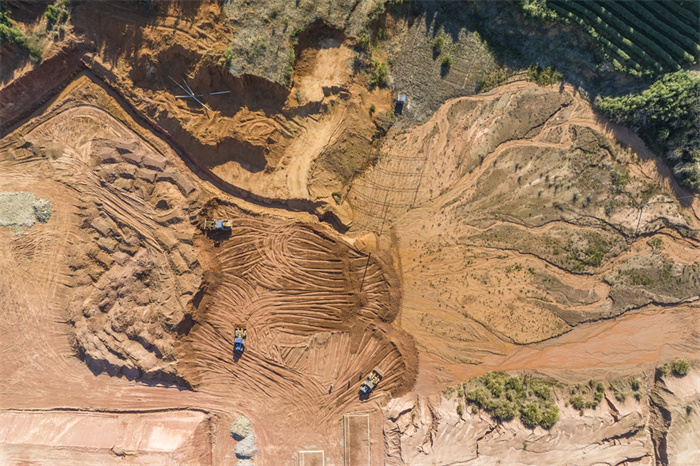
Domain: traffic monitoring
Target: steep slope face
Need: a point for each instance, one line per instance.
(420, 430)
(674, 420)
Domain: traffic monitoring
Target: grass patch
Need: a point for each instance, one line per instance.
(10, 33)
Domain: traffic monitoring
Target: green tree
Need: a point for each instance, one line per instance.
(666, 116)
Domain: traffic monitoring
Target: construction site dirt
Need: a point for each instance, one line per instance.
(491, 237)
(155, 299)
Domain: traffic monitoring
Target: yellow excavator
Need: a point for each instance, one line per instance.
(371, 382)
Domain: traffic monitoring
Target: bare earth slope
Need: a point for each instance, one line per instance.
(428, 430)
(517, 218)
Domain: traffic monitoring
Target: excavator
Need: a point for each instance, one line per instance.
(239, 334)
(371, 382)
(218, 225)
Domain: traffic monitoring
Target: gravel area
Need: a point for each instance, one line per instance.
(23, 209)
(246, 448)
(240, 428)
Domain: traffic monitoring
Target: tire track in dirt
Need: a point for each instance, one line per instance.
(296, 290)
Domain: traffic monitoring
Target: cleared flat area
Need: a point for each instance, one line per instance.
(61, 437)
(356, 433)
(312, 458)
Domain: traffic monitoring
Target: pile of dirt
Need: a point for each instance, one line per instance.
(240, 428)
(133, 268)
(23, 209)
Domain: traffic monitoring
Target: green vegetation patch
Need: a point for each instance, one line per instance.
(666, 116)
(586, 396)
(379, 75)
(543, 76)
(506, 397)
(10, 33)
(680, 367)
(639, 38)
(571, 249)
(658, 274)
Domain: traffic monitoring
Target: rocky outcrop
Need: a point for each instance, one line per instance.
(421, 431)
(674, 420)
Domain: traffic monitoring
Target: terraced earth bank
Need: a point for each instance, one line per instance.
(513, 230)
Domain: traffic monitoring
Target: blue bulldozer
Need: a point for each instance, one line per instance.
(239, 335)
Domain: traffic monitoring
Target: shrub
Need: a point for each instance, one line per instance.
(543, 76)
(10, 33)
(363, 41)
(578, 402)
(460, 409)
(549, 416)
(531, 415)
(541, 390)
(506, 397)
(228, 55)
(478, 396)
(446, 61)
(438, 43)
(372, 109)
(636, 383)
(51, 14)
(380, 73)
(515, 383)
(538, 9)
(680, 367)
(619, 395)
(504, 410)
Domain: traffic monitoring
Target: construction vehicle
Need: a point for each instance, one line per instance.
(239, 335)
(218, 225)
(371, 382)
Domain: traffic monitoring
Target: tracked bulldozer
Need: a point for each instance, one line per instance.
(217, 225)
(371, 382)
(239, 335)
